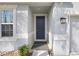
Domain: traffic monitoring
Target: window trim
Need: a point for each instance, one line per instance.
(6, 23)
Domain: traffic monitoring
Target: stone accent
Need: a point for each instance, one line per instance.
(10, 53)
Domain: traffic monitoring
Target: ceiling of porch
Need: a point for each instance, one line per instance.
(40, 7)
(36, 7)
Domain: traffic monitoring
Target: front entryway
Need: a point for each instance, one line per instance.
(40, 30)
(40, 27)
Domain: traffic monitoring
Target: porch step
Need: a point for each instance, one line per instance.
(40, 46)
(40, 53)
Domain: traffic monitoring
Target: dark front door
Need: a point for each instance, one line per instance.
(40, 27)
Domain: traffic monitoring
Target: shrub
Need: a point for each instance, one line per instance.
(24, 50)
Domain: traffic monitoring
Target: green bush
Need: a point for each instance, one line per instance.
(24, 50)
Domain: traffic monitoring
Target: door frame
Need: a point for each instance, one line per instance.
(35, 26)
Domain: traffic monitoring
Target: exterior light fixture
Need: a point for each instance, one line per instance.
(63, 20)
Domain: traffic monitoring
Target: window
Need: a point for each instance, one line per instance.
(7, 23)
(7, 30)
(7, 16)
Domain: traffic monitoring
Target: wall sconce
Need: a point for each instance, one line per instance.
(62, 20)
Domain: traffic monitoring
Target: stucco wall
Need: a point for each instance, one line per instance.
(7, 43)
(61, 34)
(66, 35)
(23, 29)
(30, 28)
(50, 28)
(74, 35)
(22, 25)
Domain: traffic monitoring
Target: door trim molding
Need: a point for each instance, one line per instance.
(35, 26)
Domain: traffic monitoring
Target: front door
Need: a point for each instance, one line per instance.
(40, 28)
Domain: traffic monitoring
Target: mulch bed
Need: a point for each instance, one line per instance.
(10, 53)
(13, 53)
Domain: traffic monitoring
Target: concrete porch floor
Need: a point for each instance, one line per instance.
(40, 49)
(40, 46)
(40, 53)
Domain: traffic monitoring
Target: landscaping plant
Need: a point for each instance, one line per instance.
(24, 50)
